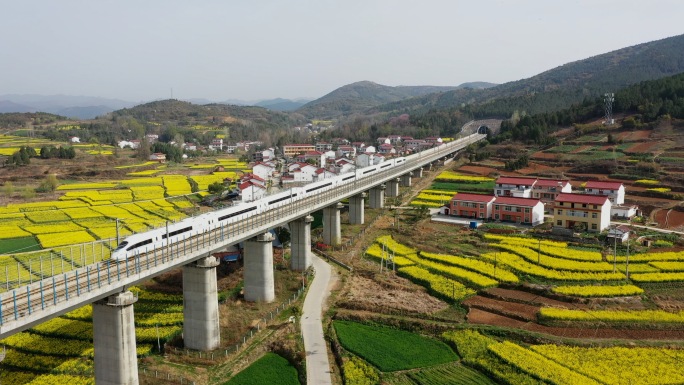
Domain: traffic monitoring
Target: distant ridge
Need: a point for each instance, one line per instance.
(360, 96)
(568, 83)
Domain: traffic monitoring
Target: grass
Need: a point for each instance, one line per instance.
(450, 374)
(464, 187)
(270, 369)
(19, 245)
(392, 349)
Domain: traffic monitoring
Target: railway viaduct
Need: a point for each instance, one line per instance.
(105, 284)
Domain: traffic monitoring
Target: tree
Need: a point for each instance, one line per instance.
(216, 188)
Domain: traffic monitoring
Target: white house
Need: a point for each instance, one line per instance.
(371, 150)
(377, 159)
(364, 160)
(624, 211)
(263, 170)
(134, 144)
(74, 139)
(547, 189)
(513, 186)
(614, 190)
(250, 191)
(588, 211)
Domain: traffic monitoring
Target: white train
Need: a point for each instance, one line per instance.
(140, 243)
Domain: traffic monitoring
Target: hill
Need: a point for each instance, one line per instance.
(559, 87)
(360, 96)
(280, 104)
(81, 107)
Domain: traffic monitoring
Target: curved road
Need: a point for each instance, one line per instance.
(317, 364)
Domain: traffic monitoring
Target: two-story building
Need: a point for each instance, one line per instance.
(614, 190)
(546, 190)
(471, 205)
(292, 150)
(519, 210)
(513, 186)
(582, 211)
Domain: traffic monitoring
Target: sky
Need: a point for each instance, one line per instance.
(259, 49)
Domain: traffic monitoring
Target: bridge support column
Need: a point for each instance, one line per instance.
(392, 188)
(116, 360)
(300, 244)
(258, 261)
(332, 228)
(377, 197)
(406, 180)
(200, 305)
(356, 213)
(418, 172)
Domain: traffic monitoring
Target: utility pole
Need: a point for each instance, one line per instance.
(627, 263)
(614, 249)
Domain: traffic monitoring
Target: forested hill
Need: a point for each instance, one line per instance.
(359, 96)
(179, 111)
(643, 103)
(560, 87)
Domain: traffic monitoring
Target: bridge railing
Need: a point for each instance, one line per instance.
(27, 305)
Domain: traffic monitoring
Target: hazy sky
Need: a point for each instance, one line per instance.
(257, 49)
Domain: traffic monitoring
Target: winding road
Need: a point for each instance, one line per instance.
(317, 364)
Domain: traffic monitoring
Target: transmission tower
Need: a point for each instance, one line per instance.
(609, 98)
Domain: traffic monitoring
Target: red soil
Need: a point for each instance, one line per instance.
(477, 170)
(643, 147)
(544, 155)
(669, 219)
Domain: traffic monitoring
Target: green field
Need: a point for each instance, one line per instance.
(390, 349)
(464, 187)
(270, 369)
(18, 245)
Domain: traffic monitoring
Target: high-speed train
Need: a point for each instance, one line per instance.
(140, 243)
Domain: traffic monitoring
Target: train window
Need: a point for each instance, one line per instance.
(179, 231)
(139, 244)
(237, 213)
(121, 245)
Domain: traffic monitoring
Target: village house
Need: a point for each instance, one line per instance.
(614, 190)
(513, 186)
(582, 211)
(292, 150)
(158, 157)
(546, 190)
(263, 170)
(519, 210)
(471, 205)
(250, 191)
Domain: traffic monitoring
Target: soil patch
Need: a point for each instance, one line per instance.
(477, 170)
(388, 292)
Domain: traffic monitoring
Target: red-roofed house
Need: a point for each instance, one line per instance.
(513, 186)
(292, 150)
(471, 205)
(614, 190)
(263, 170)
(582, 211)
(250, 191)
(249, 177)
(317, 157)
(546, 190)
(520, 210)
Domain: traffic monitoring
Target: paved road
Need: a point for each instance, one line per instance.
(317, 365)
(666, 231)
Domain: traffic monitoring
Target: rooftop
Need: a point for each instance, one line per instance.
(526, 202)
(516, 180)
(582, 198)
(603, 184)
(473, 197)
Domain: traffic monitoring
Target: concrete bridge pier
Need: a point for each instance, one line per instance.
(356, 213)
(200, 305)
(377, 197)
(258, 265)
(406, 180)
(116, 360)
(300, 243)
(392, 188)
(332, 228)
(418, 173)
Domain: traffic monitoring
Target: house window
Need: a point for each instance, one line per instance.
(496, 216)
(595, 207)
(593, 226)
(481, 205)
(559, 222)
(497, 208)
(507, 208)
(560, 212)
(527, 209)
(481, 215)
(593, 215)
(584, 205)
(498, 192)
(527, 219)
